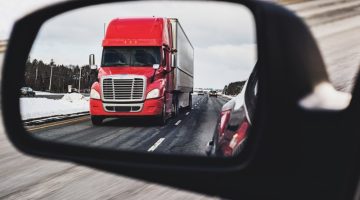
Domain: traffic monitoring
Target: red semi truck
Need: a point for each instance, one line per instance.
(146, 70)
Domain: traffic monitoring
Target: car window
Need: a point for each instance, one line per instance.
(251, 93)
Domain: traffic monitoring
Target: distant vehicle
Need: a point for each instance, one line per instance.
(235, 121)
(74, 90)
(27, 91)
(213, 93)
(201, 92)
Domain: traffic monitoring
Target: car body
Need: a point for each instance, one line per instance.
(27, 91)
(235, 121)
(213, 93)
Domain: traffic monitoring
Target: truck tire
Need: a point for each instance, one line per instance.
(175, 107)
(161, 120)
(96, 121)
(190, 102)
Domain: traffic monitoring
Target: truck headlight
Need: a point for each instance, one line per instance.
(94, 94)
(155, 93)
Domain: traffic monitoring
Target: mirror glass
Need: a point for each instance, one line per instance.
(200, 100)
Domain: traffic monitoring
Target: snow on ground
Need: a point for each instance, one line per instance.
(47, 93)
(42, 107)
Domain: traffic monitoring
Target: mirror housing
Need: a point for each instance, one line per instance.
(91, 59)
(93, 69)
(156, 66)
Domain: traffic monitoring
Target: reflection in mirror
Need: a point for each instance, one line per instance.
(161, 77)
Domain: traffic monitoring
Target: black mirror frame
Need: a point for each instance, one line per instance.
(18, 135)
(214, 176)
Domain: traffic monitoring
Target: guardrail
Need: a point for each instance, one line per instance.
(3, 44)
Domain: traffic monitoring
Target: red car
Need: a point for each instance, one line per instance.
(235, 121)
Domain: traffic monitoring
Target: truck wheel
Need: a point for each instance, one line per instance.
(161, 120)
(96, 120)
(190, 102)
(175, 107)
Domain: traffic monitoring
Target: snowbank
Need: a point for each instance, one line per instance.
(47, 93)
(42, 107)
(73, 97)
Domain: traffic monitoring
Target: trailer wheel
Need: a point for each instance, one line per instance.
(190, 102)
(175, 107)
(96, 121)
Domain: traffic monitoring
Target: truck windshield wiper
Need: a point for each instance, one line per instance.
(143, 65)
(115, 64)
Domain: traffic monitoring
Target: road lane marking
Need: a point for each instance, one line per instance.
(187, 113)
(59, 123)
(178, 122)
(157, 143)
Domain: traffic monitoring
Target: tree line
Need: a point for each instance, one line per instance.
(234, 88)
(38, 75)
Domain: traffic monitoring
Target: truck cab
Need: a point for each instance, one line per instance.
(146, 70)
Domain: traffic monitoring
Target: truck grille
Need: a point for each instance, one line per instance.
(123, 89)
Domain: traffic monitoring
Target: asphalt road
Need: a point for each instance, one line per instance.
(188, 133)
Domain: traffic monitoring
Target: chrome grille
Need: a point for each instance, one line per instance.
(123, 89)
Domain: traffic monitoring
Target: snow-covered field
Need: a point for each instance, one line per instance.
(42, 107)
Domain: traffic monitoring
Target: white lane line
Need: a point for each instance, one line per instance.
(178, 122)
(187, 113)
(157, 143)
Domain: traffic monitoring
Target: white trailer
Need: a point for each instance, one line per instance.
(183, 63)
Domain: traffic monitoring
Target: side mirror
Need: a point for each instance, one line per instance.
(92, 61)
(156, 66)
(93, 67)
(273, 160)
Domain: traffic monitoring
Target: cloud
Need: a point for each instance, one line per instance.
(14, 9)
(222, 64)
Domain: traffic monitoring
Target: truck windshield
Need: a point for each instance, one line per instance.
(130, 56)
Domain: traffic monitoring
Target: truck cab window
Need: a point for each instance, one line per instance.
(144, 58)
(164, 58)
(130, 56)
(113, 57)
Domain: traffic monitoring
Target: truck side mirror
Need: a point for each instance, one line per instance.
(156, 66)
(92, 60)
(164, 57)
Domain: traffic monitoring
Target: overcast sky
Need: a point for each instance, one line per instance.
(223, 36)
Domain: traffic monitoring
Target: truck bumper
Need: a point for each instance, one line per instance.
(150, 107)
